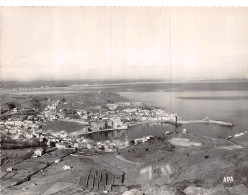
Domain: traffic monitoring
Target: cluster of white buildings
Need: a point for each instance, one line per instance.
(50, 112)
(143, 114)
(113, 145)
(20, 129)
(142, 140)
(113, 118)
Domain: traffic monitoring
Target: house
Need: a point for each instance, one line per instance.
(145, 118)
(38, 152)
(107, 148)
(100, 145)
(60, 145)
(163, 118)
(16, 136)
(29, 135)
(85, 116)
(12, 131)
(119, 143)
(51, 141)
(57, 160)
(139, 140)
(9, 169)
(89, 144)
(66, 167)
(80, 145)
(142, 140)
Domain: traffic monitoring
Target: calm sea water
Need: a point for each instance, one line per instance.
(226, 100)
(219, 101)
(230, 106)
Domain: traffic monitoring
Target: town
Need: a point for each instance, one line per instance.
(116, 116)
(48, 137)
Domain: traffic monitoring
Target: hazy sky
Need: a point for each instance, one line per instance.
(123, 42)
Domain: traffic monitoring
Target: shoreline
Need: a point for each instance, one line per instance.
(105, 130)
(203, 121)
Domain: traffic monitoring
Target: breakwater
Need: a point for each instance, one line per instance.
(206, 121)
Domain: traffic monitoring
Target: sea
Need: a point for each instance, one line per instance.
(218, 100)
(225, 100)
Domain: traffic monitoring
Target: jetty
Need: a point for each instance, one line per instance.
(206, 121)
(181, 122)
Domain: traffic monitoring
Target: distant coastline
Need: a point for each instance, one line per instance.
(40, 84)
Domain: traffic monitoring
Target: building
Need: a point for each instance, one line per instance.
(57, 160)
(130, 104)
(80, 145)
(16, 136)
(109, 123)
(61, 145)
(98, 125)
(142, 140)
(38, 152)
(51, 141)
(145, 118)
(118, 123)
(9, 169)
(29, 135)
(66, 167)
(89, 143)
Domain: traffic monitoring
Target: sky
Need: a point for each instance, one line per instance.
(58, 43)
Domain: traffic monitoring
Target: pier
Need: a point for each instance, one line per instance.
(206, 121)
